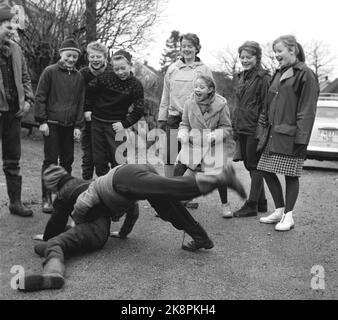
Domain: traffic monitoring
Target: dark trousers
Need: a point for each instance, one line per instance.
(104, 146)
(58, 149)
(10, 135)
(85, 237)
(87, 157)
(251, 158)
(173, 145)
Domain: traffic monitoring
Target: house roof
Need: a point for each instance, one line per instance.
(331, 87)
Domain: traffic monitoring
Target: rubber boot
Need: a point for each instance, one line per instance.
(207, 183)
(14, 186)
(47, 206)
(249, 209)
(200, 240)
(52, 277)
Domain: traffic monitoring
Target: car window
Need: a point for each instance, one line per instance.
(326, 112)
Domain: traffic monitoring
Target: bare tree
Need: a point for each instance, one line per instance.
(319, 58)
(269, 61)
(117, 23)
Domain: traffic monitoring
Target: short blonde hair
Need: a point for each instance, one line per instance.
(97, 46)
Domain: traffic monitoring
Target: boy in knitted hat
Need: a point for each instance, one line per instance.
(16, 97)
(113, 92)
(116, 193)
(58, 107)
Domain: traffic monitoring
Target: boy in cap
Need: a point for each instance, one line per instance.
(58, 106)
(16, 97)
(118, 191)
(113, 92)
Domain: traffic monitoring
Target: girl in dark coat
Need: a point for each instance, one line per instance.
(292, 100)
(253, 84)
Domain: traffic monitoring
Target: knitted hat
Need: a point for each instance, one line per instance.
(253, 47)
(123, 53)
(52, 175)
(5, 12)
(70, 44)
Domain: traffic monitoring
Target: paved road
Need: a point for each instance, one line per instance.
(249, 261)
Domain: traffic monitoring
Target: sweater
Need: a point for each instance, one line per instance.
(110, 98)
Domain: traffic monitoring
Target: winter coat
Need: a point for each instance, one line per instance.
(251, 96)
(21, 77)
(292, 100)
(217, 116)
(178, 86)
(60, 97)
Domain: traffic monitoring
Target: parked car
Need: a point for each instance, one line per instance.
(323, 143)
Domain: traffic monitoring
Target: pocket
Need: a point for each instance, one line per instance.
(287, 129)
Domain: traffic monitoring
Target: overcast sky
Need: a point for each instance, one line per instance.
(222, 23)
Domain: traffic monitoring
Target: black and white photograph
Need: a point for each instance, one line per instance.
(169, 156)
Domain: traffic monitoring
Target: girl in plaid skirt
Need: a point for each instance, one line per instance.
(292, 100)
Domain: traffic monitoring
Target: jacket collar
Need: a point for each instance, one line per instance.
(212, 110)
(289, 73)
(180, 64)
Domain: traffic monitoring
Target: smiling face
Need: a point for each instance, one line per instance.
(188, 50)
(6, 31)
(284, 55)
(96, 59)
(201, 90)
(122, 68)
(69, 57)
(247, 59)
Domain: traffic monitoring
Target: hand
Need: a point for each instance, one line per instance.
(116, 234)
(24, 110)
(211, 136)
(299, 150)
(162, 125)
(77, 134)
(117, 127)
(44, 129)
(88, 116)
(38, 237)
(183, 136)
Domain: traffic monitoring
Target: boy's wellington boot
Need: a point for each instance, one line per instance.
(52, 277)
(200, 240)
(14, 185)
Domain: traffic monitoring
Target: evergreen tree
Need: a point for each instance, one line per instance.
(171, 50)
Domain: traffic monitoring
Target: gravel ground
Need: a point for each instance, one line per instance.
(249, 261)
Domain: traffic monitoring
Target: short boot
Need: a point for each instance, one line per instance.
(207, 183)
(286, 223)
(200, 240)
(249, 209)
(52, 277)
(226, 211)
(274, 217)
(14, 186)
(262, 206)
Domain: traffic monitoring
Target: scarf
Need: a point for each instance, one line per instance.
(205, 104)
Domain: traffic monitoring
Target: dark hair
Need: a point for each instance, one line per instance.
(253, 48)
(291, 43)
(122, 54)
(194, 40)
(208, 81)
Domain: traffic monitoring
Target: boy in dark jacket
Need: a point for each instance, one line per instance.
(59, 103)
(116, 193)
